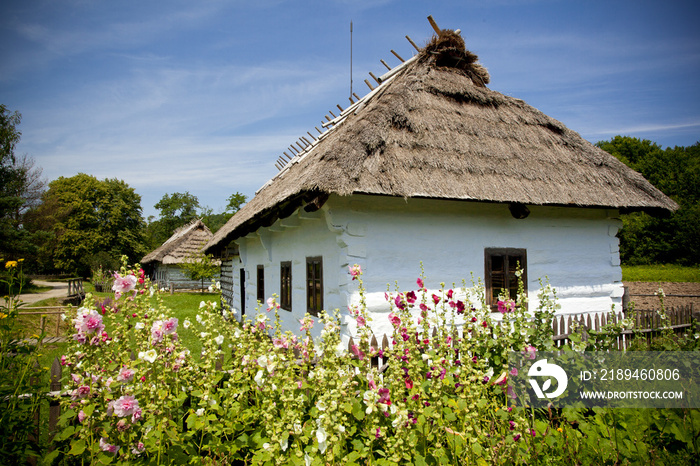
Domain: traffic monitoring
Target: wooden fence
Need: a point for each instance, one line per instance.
(646, 323)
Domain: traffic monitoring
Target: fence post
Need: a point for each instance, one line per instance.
(54, 402)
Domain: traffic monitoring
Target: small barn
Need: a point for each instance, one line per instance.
(164, 265)
(432, 166)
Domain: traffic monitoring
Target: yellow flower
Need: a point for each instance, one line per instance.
(2, 315)
(10, 264)
(559, 429)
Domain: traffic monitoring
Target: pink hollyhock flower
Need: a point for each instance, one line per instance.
(170, 326)
(357, 352)
(355, 271)
(436, 299)
(529, 352)
(81, 416)
(516, 438)
(394, 319)
(506, 306)
(514, 371)
(280, 343)
(398, 301)
(379, 432)
(411, 297)
(272, 304)
(372, 384)
(125, 375)
(123, 284)
(81, 392)
(109, 448)
(449, 294)
(409, 383)
(125, 406)
(361, 322)
(460, 307)
(420, 283)
(136, 416)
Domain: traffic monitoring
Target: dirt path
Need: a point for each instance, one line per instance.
(58, 290)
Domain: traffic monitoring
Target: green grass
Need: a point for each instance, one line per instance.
(660, 273)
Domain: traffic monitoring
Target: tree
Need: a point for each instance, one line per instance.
(235, 202)
(176, 210)
(215, 221)
(645, 239)
(87, 218)
(21, 186)
(200, 267)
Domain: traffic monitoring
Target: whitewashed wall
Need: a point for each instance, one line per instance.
(575, 248)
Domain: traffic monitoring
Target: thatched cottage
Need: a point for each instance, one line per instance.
(433, 166)
(164, 265)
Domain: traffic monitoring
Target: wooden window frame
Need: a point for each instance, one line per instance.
(314, 285)
(242, 289)
(510, 279)
(260, 283)
(286, 285)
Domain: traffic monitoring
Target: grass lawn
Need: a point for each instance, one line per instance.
(660, 273)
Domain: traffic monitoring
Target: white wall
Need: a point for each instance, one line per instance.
(575, 248)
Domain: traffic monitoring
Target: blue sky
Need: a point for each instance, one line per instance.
(204, 96)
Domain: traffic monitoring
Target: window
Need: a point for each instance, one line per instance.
(314, 285)
(242, 284)
(501, 265)
(261, 283)
(286, 286)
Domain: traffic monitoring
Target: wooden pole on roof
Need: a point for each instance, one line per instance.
(339, 107)
(312, 136)
(332, 114)
(387, 66)
(356, 96)
(369, 85)
(375, 78)
(434, 25)
(398, 56)
(413, 44)
(287, 155)
(319, 131)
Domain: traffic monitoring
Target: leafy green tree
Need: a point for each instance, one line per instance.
(215, 221)
(176, 210)
(200, 267)
(21, 186)
(645, 239)
(87, 218)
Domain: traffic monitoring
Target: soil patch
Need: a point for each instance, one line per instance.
(677, 294)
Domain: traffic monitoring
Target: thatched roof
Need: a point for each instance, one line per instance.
(434, 130)
(185, 242)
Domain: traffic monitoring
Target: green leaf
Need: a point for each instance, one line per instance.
(77, 447)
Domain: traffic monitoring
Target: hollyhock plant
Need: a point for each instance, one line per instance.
(123, 284)
(355, 271)
(125, 406)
